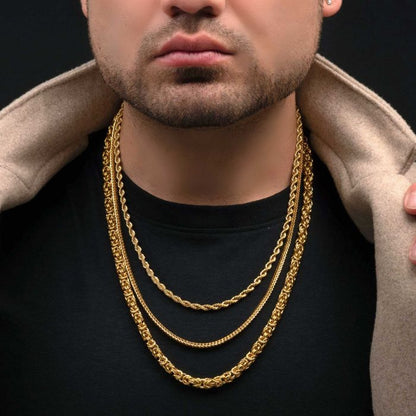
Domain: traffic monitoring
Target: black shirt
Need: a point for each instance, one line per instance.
(70, 347)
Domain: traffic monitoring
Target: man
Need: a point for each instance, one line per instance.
(196, 169)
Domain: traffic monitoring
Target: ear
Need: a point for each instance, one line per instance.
(331, 7)
(84, 7)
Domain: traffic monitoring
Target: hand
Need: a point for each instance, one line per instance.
(410, 208)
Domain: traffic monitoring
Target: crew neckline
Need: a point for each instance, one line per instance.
(252, 214)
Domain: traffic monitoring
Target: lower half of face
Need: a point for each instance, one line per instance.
(206, 89)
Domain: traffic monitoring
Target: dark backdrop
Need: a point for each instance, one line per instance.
(373, 40)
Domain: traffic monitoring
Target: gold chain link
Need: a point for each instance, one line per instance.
(263, 273)
(125, 274)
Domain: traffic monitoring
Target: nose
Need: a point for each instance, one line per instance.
(211, 8)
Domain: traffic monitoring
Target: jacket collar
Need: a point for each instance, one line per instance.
(353, 131)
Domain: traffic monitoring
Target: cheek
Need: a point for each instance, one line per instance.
(273, 25)
(117, 28)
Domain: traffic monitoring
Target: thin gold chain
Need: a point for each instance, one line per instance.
(263, 273)
(124, 271)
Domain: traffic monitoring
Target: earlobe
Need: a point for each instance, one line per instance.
(331, 7)
(84, 7)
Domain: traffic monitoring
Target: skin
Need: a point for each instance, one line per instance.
(409, 204)
(210, 136)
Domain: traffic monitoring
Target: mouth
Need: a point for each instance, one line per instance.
(199, 50)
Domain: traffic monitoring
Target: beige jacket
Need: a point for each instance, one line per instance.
(368, 147)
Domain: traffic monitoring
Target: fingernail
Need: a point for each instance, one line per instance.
(411, 200)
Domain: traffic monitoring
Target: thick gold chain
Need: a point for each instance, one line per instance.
(125, 274)
(297, 165)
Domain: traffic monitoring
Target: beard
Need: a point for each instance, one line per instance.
(201, 97)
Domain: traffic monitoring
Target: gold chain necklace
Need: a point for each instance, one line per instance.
(295, 194)
(126, 276)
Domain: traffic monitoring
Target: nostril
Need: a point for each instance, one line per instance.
(207, 11)
(175, 11)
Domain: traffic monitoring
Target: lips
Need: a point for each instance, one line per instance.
(199, 50)
(194, 44)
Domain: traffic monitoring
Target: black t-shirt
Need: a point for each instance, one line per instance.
(70, 346)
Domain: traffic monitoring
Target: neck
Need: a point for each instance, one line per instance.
(241, 163)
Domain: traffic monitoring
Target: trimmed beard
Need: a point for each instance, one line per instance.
(200, 97)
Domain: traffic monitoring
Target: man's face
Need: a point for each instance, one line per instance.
(264, 50)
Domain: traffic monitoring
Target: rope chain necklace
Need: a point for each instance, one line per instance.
(112, 192)
(287, 228)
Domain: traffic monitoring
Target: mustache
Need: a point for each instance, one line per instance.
(191, 24)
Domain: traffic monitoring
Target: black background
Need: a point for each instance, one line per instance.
(373, 40)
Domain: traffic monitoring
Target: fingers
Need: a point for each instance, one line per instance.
(412, 252)
(410, 200)
(409, 204)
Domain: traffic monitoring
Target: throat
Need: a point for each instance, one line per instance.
(210, 166)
